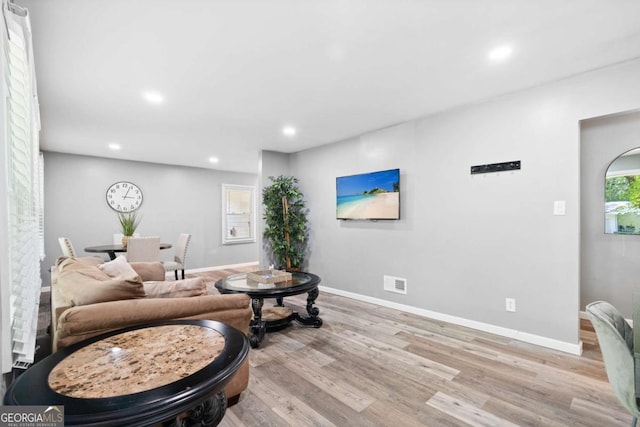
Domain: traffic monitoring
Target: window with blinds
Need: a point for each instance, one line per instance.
(22, 187)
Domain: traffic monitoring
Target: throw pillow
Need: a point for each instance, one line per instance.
(118, 268)
(176, 288)
(81, 287)
(68, 262)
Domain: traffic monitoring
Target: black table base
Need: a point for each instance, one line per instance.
(260, 327)
(207, 414)
(299, 283)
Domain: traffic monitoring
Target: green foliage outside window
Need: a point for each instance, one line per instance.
(623, 188)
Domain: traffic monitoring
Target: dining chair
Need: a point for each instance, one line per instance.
(615, 338)
(179, 257)
(143, 249)
(66, 246)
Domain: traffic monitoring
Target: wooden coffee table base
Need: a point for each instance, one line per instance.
(270, 319)
(207, 414)
(277, 317)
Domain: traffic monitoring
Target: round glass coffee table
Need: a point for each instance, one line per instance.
(141, 375)
(260, 324)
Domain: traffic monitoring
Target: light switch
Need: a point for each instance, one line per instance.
(559, 207)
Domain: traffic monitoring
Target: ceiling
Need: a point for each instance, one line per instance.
(232, 73)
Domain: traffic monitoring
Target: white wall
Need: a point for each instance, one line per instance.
(610, 263)
(464, 242)
(177, 199)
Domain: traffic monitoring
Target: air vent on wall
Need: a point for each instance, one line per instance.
(395, 284)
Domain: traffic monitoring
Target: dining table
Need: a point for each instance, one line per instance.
(112, 250)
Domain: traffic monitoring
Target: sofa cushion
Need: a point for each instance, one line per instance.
(118, 268)
(176, 289)
(84, 286)
(149, 271)
(78, 323)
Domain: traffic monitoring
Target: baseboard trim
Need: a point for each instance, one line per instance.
(575, 349)
(220, 267)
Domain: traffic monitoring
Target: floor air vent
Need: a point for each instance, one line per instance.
(395, 284)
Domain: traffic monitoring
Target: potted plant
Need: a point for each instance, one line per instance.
(285, 215)
(128, 223)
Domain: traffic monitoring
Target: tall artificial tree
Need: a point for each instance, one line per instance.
(286, 226)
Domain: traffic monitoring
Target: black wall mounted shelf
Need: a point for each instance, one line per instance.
(496, 167)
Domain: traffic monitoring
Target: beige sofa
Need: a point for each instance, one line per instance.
(89, 297)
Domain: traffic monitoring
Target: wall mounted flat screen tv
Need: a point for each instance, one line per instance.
(372, 196)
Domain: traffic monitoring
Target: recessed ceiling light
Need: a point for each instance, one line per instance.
(499, 53)
(115, 147)
(214, 159)
(153, 97)
(289, 130)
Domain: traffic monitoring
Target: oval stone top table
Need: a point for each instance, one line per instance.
(136, 361)
(140, 375)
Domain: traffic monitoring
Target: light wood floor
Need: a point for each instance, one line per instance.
(374, 366)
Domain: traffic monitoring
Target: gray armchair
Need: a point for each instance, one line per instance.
(615, 337)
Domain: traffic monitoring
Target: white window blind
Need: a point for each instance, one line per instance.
(22, 188)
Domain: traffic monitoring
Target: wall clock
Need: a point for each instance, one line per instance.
(124, 196)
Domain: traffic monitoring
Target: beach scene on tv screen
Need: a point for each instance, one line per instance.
(373, 195)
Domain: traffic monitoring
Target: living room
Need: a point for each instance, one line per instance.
(464, 242)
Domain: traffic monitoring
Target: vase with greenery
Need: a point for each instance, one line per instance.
(286, 227)
(129, 221)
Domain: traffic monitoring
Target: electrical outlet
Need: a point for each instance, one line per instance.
(510, 304)
(559, 207)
